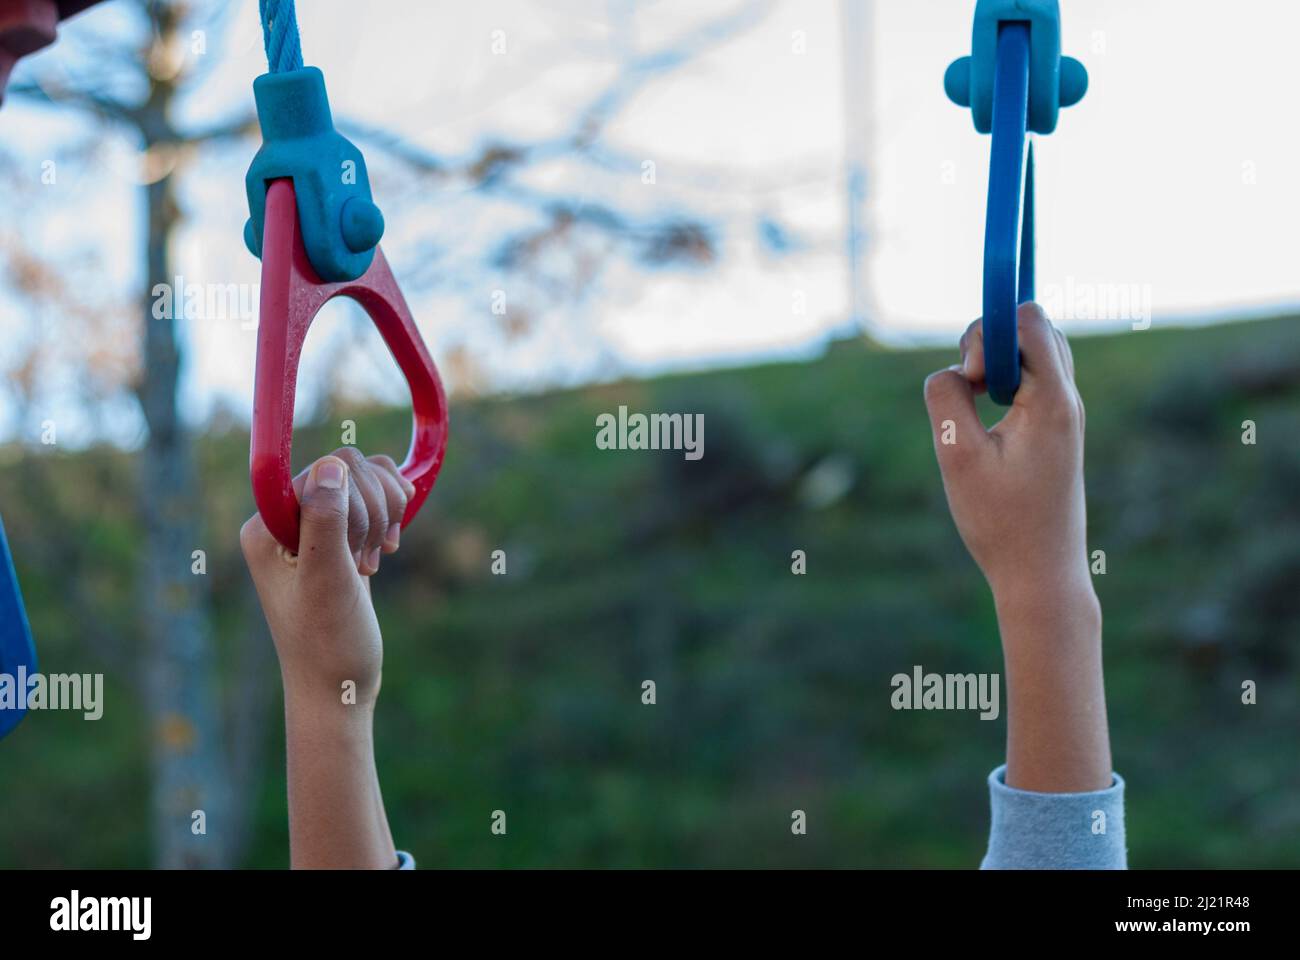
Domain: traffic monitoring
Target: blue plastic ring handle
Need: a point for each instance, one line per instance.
(16, 648)
(1008, 232)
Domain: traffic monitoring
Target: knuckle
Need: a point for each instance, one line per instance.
(1032, 333)
(1061, 410)
(936, 385)
(350, 455)
(379, 521)
(956, 455)
(396, 508)
(1031, 313)
(250, 535)
(324, 511)
(358, 529)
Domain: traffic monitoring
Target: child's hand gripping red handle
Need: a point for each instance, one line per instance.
(292, 295)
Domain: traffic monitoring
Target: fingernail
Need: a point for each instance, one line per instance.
(407, 487)
(372, 558)
(329, 473)
(394, 532)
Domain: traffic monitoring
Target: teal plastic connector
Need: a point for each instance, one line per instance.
(1054, 81)
(341, 226)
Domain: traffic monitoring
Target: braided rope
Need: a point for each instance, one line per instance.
(280, 35)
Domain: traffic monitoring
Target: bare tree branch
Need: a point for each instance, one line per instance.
(54, 94)
(236, 128)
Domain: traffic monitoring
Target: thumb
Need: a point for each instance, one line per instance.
(954, 421)
(323, 517)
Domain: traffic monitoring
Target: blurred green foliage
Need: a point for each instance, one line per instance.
(522, 692)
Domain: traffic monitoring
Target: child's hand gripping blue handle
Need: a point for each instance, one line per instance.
(1015, 82)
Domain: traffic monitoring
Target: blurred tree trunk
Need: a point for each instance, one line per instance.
(189, 769)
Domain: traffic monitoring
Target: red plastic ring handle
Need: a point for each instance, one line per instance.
(292, 295)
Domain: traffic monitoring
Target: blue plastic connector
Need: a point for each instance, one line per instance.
(1054, 81)
(341, 226)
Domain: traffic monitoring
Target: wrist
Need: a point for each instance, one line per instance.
(315, 687)
(1059, 616)
(1041, 594)
(323, 706)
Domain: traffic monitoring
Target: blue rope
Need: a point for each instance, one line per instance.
(280, 35)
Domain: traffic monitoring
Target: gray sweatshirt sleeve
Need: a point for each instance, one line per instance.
(1055, 831)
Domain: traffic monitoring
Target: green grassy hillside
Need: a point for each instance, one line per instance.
(522, 692)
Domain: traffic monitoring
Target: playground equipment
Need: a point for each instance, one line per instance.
(316, 229)
(1014, 82)
(17, 652)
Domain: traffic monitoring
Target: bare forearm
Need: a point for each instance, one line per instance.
(1057, 735)
(336, 811)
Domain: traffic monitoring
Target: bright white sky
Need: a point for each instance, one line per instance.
(1177, 173)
